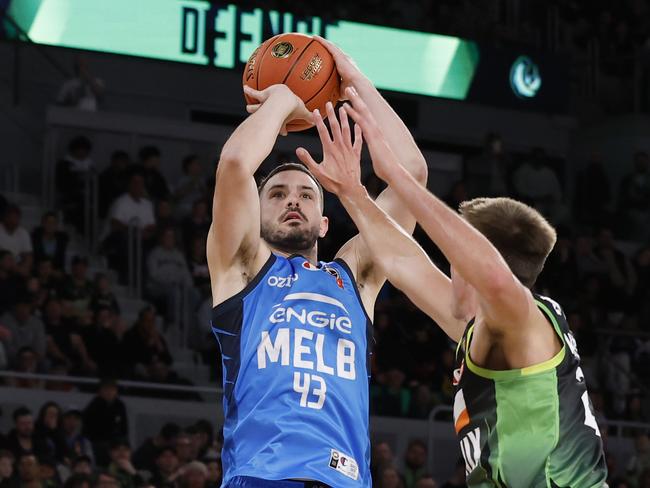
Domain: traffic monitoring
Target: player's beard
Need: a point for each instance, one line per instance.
(293, 239)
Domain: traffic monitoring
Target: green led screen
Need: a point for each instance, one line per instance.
(198, 32)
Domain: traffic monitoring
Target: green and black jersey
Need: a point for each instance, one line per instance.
(531, 427)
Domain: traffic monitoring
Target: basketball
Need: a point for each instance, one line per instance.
(300, 62)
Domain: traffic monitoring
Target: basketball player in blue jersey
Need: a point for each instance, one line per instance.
(295, 333)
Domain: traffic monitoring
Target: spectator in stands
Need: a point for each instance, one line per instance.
(29, 471)
(536, 183)
(166, 466)
(103, 340)
(121, 466)
(11, 282)
(193, 475)
(79, 480)
(64, 341)
(22, 439)
(78, 447)
(415, 462)
(158, 371)
(634, 198)
(198, 223)
(71, 175)
(132, 208)
(77, 288)
(106, 480)
(592, 193)
(15, 239)
(143, 343)
(48, 277)
(198, 265)
(621, 278)
(48, 472)
(105, 419)
(215, 471)
(644, 479)
(7, 475)
(155, 182)
(113, 181)
(202, 437)
(426, 482)
(457, 480)
(190, 187)
(422, 402)
(382, 457)
(164, 214)
(389, 477)
(185, 451)
(145, 456)
(488, 173)
(82, 465)
(49, 242)
(392, 399)
(168, 277)
(27, 361)
(48, 428)
(640, 460)
(25, 329)
(642, 294)
(83, 91)
(103, 296)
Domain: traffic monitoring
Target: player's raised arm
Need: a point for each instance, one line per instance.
(400, 139)
(397, 255)
(234, 237)
(504, 300)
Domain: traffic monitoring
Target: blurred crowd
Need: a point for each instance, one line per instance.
(89, 447)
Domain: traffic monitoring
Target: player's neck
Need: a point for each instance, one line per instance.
(310, 255)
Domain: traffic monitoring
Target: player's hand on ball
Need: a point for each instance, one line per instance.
(345, 65)
(384, 160)
(298, 109)
(340, 171)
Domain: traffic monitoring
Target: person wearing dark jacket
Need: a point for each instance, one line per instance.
(49, 242)
(105, 419)
(22, 439)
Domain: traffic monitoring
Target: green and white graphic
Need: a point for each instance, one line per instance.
(525, 79)
(198, 32)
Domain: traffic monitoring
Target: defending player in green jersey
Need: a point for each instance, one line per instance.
(522, 412)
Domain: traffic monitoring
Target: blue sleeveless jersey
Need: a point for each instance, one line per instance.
(296, 347)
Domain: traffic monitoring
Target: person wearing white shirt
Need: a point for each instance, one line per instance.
(15, 238)
(537, 184)
(83, 91)
(132, 208)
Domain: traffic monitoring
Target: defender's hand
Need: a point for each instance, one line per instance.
(384, 160)
(345, 65)
(339, 172)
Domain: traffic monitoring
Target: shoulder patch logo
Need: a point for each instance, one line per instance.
(335, 273)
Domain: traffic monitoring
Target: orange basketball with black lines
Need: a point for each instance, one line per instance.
(302, 63)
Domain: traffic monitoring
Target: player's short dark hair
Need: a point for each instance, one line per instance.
(519, 232)
(291, 167)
